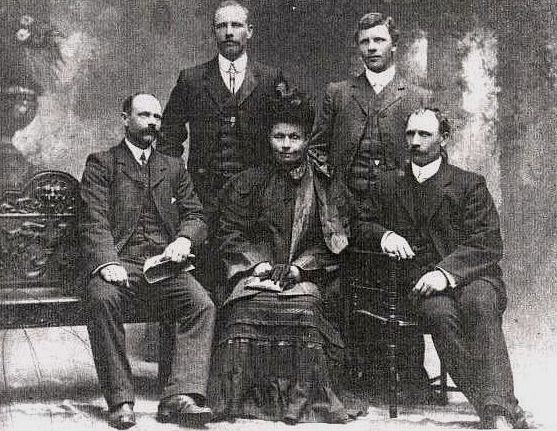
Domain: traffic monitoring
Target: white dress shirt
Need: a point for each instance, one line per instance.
(137, 152)
(423, 173)
(379, 80)
(240, 65)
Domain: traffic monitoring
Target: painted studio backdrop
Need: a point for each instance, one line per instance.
(67, 64)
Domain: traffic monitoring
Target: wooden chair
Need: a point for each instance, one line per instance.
(385, 309)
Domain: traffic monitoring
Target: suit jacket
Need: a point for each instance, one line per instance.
(341, 120)
(112, 193)
(257, 226)
(461, 220)
(200, 97)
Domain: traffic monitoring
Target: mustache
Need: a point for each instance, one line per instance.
(152, 130)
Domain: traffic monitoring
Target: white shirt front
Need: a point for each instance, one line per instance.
(240, 65)
(423, 173)
(137, 152)
(379, 80)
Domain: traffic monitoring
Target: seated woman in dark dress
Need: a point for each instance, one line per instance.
(277, 356)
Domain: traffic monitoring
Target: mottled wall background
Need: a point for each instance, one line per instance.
(492, 65)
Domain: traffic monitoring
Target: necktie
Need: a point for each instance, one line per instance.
(232, 78)
(143, 159)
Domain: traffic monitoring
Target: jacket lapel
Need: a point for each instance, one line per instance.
(363, 93)
(250, 82)
(403, 190)
(212, 81)
(158, 169)
(124, 157)
(435, 191)
(392, 92)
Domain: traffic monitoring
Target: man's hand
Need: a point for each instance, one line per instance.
(262, 269)
(430, 283)
(178, 250)
(397, 246)
(115, 274)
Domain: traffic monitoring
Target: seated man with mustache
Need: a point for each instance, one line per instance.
(139, 203)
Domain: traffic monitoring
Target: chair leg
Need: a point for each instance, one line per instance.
(444, 397)
(167, 341)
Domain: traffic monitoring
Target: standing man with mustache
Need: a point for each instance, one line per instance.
(359, 133)
(138, 203)
(225, 101)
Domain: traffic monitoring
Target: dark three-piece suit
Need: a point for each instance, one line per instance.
(451, 222)
(131, 213)
(359, 133)
(227, 131)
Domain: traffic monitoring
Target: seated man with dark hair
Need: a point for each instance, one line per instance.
(442, 219)
(280, 234)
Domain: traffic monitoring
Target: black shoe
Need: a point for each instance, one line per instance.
(497, 418)
(498, 422)
(122, 416)
(522, 420)
(182, 409)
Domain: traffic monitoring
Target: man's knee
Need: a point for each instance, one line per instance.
(201, 301)
(101, 294)
(478, 300)
(438, 311)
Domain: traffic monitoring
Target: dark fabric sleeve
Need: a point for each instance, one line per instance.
(322, 132)
(238, 228)
(192, 219)
(482, 247)
(175, 116)
(97, 242)
(368, 220)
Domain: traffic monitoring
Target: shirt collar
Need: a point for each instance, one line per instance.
(380, 78)
(136, 151)
(239, 64)
(423, 173)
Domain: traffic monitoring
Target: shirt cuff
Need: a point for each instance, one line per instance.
(450, 278)
(383, 239)
(96, 271)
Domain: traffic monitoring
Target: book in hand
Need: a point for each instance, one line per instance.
(257, 283)
(158, 268)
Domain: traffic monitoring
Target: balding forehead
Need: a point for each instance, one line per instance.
(231, 10)
(426, 120)
(144, 101)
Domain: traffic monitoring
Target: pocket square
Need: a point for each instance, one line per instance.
(172, 200)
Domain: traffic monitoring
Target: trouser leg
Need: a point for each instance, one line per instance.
(441, 317)
(106, 305)
(466, 330)
(184, 299)
(482, 325)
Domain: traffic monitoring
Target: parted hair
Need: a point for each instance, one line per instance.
(373, 19)
(444, 124)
